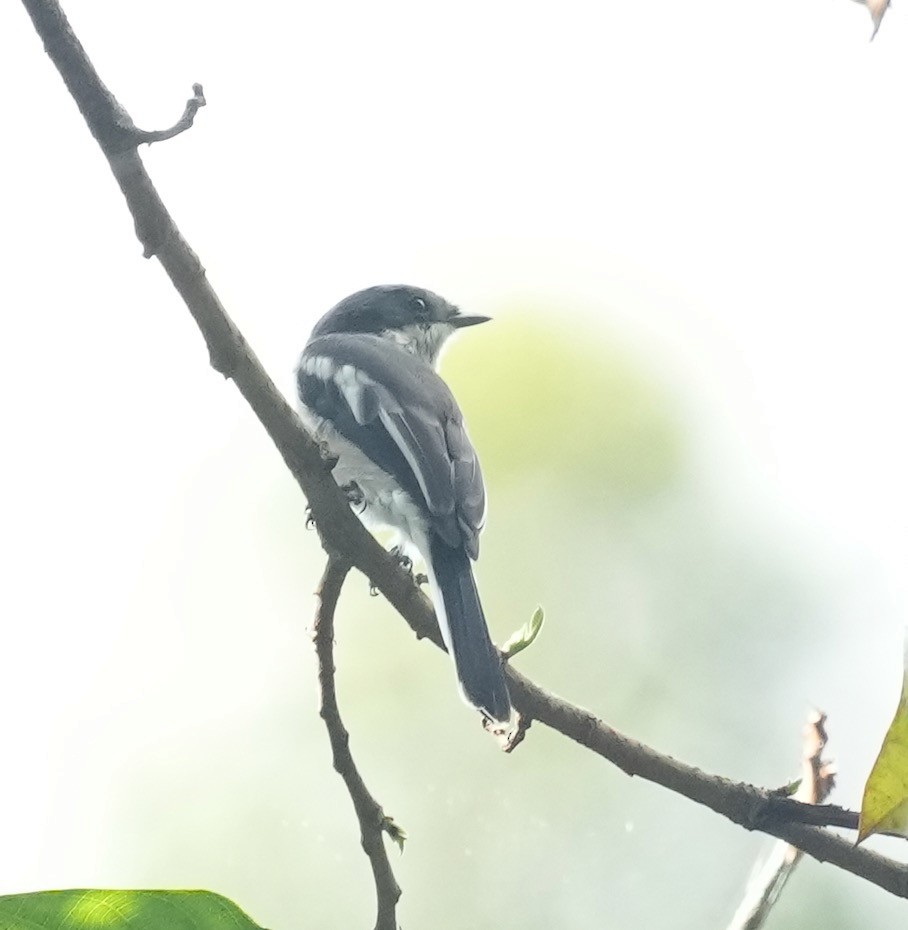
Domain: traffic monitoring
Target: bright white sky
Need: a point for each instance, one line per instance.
(725, 182)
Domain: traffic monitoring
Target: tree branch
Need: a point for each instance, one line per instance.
(181, 125)
(339, 528)
(750, 807)
(372, 820)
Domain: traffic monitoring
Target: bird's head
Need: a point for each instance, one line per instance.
(417, 320)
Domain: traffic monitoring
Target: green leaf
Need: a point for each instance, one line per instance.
(80, 909)
(885, 805)
(524, 637)
(397, 834)
(789, 790)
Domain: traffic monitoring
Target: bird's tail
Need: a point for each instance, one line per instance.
(463, 627)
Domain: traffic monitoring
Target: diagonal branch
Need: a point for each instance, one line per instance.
(339, 528)
(750, 807)
(372, 819)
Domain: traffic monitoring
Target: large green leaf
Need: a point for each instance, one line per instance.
(885, 805)
(113, 910)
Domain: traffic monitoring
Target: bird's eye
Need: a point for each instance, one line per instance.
(421, 302)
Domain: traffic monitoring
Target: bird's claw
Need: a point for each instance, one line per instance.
(403, 560)
(406, 563)
(354, 494)
(328, 457)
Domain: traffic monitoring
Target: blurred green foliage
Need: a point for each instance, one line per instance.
(565, 405)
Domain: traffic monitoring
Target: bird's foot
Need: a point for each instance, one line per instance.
(354, 494)
(328, 457)
(406, 563)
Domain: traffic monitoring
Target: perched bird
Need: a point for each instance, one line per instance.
(368, 389)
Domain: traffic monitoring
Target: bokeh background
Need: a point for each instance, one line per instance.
(688, 223)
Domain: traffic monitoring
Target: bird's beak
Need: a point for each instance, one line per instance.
(459, 321)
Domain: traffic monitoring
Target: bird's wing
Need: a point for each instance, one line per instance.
(405, 419)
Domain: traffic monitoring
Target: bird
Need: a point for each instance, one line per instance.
(370, 393)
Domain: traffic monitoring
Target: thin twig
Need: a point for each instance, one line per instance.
(339, 528)
(181, 125)
(792, 810)
(817, 781)
(372, 819)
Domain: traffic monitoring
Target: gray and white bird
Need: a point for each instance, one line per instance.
(369, 390)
